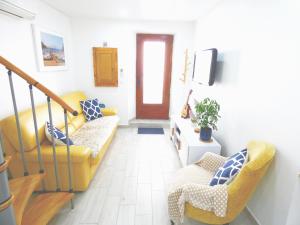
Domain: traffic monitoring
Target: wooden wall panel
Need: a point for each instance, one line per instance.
(105, 67)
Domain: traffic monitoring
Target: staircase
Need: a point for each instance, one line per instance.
(19, 205)
(149, 123)
(39, 209)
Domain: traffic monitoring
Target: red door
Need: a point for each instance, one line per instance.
(153, 75)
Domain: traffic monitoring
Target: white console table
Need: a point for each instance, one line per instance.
(188, 144)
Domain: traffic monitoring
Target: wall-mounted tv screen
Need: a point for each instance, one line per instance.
(204, 66)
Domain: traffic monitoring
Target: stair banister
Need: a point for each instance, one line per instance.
(69, 157)
(11, 67)
(20, 138)
(37, 139)
(50, 96)
(53, 145)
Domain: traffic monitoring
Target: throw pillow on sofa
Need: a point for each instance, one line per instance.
(59, 137)
(230, 169)
(91, 109)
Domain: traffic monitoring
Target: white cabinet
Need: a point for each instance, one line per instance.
(188, 144)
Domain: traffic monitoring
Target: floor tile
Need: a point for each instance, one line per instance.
(126, 215)
(129, 187)
(144, 202)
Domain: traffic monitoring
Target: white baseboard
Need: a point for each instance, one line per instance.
(124, 125)
(253, 216)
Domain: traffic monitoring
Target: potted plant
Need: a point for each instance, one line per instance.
(207, 115)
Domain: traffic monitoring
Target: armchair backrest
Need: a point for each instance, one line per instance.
(240, 190)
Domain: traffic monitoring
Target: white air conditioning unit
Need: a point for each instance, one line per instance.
(9, 8)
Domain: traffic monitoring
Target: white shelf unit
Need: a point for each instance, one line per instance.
(188, 144)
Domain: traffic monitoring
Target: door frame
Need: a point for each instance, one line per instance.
(153, 111)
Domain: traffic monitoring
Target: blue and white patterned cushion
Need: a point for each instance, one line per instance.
(91, 109)
(59, 137)
(230, 169)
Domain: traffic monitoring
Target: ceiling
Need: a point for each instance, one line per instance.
(169, 10)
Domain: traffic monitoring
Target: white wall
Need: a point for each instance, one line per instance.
(258, 89)
(88, 33)
(294, 216)
(16, 44)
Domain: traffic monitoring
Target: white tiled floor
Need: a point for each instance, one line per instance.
(130, 185)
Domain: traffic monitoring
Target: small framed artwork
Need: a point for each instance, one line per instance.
(50, 50)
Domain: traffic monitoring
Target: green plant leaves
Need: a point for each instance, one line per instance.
(207, 113)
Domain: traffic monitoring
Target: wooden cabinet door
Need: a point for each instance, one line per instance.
(105, 67)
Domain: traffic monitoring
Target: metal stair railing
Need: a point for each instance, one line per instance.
(37, 139)
(4, 191)
(20, 138)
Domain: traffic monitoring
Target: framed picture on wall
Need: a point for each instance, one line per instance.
(50, 50)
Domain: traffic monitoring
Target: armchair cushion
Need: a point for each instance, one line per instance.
(230, 169)
(191, 184)
(211, 161)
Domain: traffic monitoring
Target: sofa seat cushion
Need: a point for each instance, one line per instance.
(95, 133)
(191, 174)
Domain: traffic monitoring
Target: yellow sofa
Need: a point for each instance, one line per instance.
(242, 187)
(83, 165)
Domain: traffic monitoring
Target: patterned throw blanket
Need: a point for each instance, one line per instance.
(191, 185)
(95, 133)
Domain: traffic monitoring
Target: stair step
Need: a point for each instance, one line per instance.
(149, 123)
(22, 189)
(44, 207)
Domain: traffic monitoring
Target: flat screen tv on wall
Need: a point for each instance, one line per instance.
(205, 62)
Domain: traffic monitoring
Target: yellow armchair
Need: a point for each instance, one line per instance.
(261, 155)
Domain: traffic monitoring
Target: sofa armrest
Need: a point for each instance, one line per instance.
(211, 161)
(78, 154)
(109, 111)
